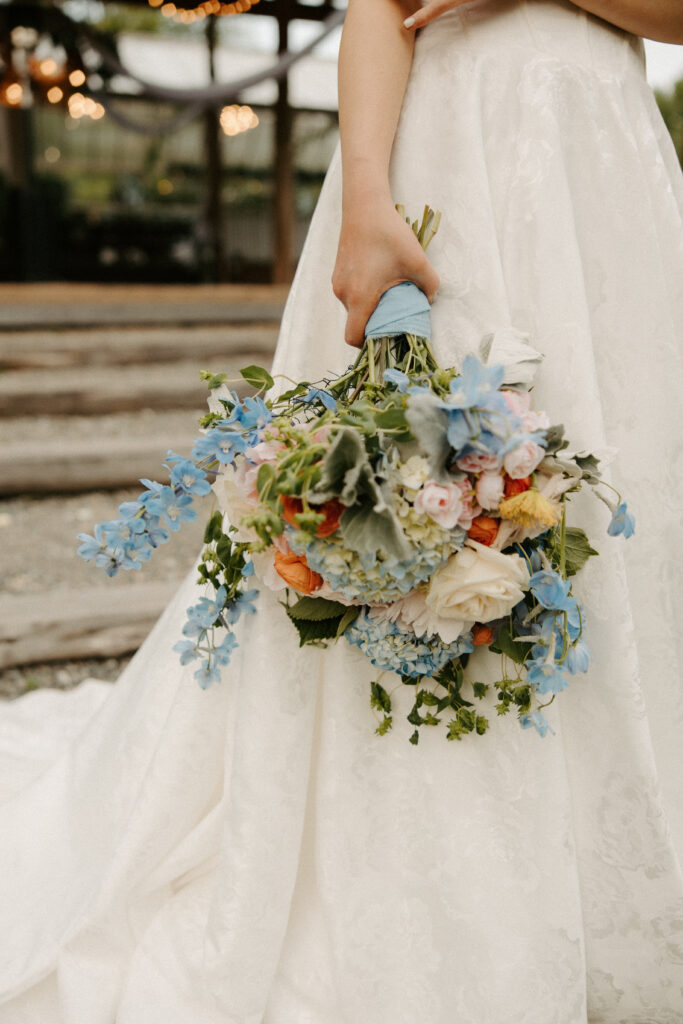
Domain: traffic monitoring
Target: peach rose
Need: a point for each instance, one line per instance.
(523, 460)
(295, 572)
(513, 487)
(484, 530)
(482, 635)
(332, 510)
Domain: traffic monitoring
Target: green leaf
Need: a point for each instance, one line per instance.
(224, 550)
(315, 609)
(310, 632)
(415, 738)
(257, 376)
(481, 725)
(213, 380)
(265, 478)
(384, 726)
(588, 464)
(379, 698)
(415, 718)
(577, 550)
(555, 441)
(366, 531)
(505, 644)
(480, 689)
(428, 423)
(214, 528)
(349, 616)
(392, 419)
(429, 699)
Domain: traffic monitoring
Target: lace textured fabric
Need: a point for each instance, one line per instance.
(253, 854)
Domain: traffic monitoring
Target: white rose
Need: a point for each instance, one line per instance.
(414, 472)
(234, 503)
(412, 612)
(522, 461)
(478, 584)
(489, 490)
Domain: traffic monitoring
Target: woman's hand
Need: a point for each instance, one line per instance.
(377, 249)
(430, 11)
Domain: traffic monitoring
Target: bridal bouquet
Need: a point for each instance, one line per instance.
(413, 510)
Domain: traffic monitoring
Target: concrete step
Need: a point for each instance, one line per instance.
(78, 622)
(88, 464)
(93, 390)
(119, 346)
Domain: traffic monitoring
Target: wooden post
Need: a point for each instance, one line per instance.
(285, 196)
(214, 259)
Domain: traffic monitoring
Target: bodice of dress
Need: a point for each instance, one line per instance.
(520, 30)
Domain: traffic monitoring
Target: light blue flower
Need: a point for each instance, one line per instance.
(243, 604)
(187, 650)
(551, 590)
(320, 395)
(475, 383)
(578, 657)
(207, 675)
(536, 720)
(223, 652)
(622, 522)
(253, 414)
(546, 676)
(175, 508)
(247, 570)
(400, 380)
(91, 547)
(121, 532)
(219, 445)
(396, 650)
(187, 476)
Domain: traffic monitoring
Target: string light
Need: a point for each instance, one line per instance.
(187, 12)
(11, 94)
(77, 77)
(55, 94)
(235, 119)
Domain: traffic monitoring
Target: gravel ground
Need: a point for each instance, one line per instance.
(58, 675)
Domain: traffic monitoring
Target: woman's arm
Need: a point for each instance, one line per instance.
(377, 249)
(653, 19)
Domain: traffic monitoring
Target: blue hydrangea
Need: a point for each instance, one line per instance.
(370, 577)
(394, 649)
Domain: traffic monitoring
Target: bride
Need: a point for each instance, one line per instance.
(254, 854)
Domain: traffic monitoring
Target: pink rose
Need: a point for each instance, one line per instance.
(517, 402)
(535, 421)
(489, 490)
(441, 502)
(264, 451)
(523, 460)
(478, 462)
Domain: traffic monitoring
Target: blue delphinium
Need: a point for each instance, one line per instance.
(320, 395)
(622, 522)
(536, 720)
(400, 380)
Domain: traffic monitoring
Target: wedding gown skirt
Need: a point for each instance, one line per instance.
(254, 854)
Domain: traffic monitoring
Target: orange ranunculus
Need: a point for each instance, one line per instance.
(482, 635)
(295, 572)
(513, 487)
(484, 530)
(332, 511)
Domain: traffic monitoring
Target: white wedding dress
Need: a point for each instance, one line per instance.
(254, 854)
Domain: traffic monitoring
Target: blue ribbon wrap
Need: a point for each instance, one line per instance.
(402, 309)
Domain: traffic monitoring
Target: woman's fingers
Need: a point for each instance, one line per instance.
(430, 11)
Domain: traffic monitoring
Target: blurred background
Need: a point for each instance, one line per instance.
(159, 164)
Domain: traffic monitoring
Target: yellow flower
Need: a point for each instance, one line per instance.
(531, 509)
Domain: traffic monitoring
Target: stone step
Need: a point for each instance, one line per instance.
(78, 622)
(93, 390)
(119, 346)
(99, 463)
(52, 305)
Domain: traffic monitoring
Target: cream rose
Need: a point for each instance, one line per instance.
(478, 584)
(522, 461)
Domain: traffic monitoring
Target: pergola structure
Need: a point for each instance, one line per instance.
(48, 17)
